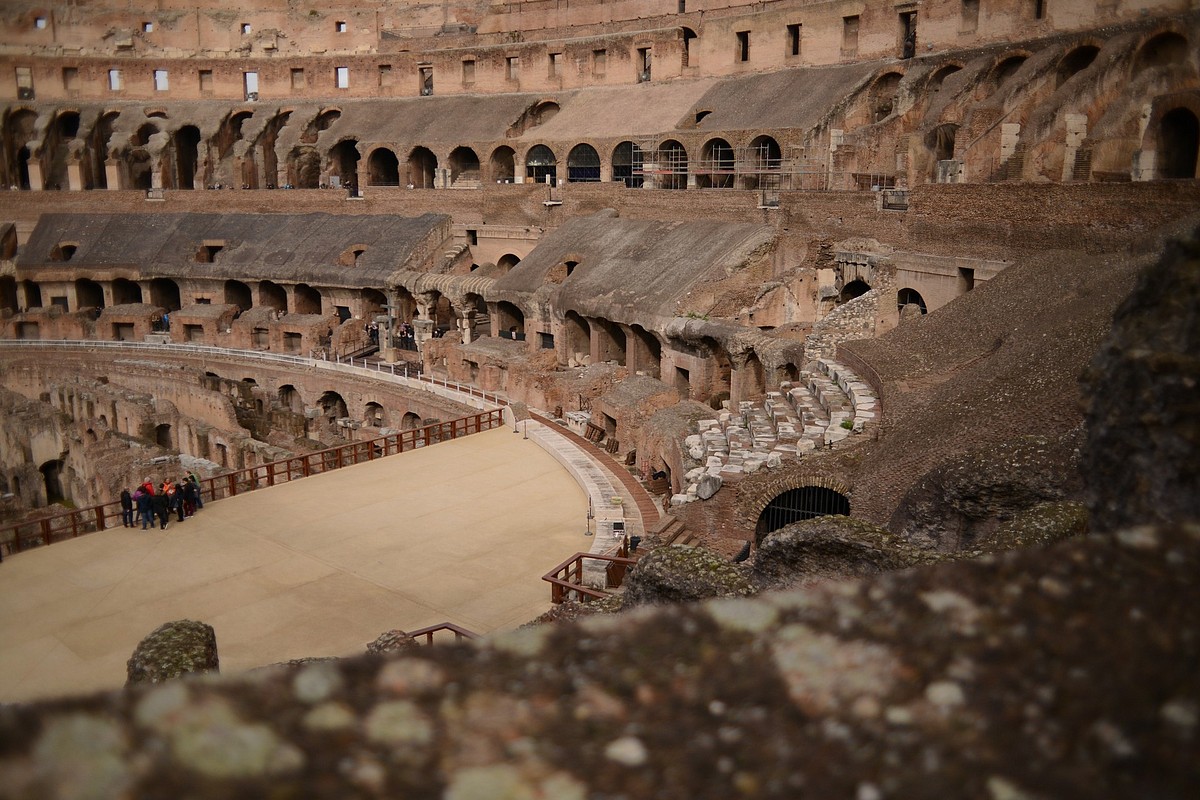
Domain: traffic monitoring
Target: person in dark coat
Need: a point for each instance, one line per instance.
(145, 506)
(162, 508)
(126, 509)
(189, 497)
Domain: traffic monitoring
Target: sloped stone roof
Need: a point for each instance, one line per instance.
(288, 247)
(626, 264)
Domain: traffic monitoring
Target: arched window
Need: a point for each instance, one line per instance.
(383, 168)
(540, 164)
(910, 297)
(583, 164)
(627, 165)
(797, 505)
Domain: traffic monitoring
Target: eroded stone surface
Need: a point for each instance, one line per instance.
(963, 679)
(174, 649)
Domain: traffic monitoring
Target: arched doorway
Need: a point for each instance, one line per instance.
(343, 162)
(410, 421)
(540, 165)
(627, 165)
(503, 164)
(1178, 144)
(717, 165)
(506, 263)
(763, 163)
(464, 164)
(164, 293)
(333, 408)
(853, 289)
(52, 481)
(422, 168)
(910, 297)
(672, 165)
(1165, 49)
(238, 294)
(383, 168)
(583, 164)
(797, 505)
(308, 300)
(1074, 62)
(273, 295)
(88, 294)
(373, 415)
(289, 399)
(125, 292)
(162, 436)
(187, 150)
(579, 336)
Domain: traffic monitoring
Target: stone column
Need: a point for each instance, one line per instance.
(74, 174)
(112, 174)
(36, 181)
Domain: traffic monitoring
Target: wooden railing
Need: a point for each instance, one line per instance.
(567, 577)
(69, 524)
(443, 627)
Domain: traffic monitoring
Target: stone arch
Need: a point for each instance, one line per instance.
(510, 319)
(164, 293)
(506, 262)
(910, 297)
(373, 302)
(409, 421)
(463, 163)
(1161, 50)
(101, 133)
(52, 481)
(543, 112)
(319, 123)
(755, 495)
(20, 127)
(373, 415)
(503, 164)
(273, 295)
(125, 292)
(764, 159)
(422, 168)
(343, 161)
(333, 407)
(672, 165)
(383, 168)
(58, 147)
(649, 356)
(717, 166)
(578, 336)
(162, 436)
(1004, 69)
(187, 156)
(290, 399)
(721, 384)
(611, 344)
(541, 166)
(583, 164)
(307, 300)
(304, 168)
(939, 76)
(627, 165)
(883, 96)
(1075, 62)
(787, 373)
(88, 293)
(1178, 144)
(238, 294)
(855, 288)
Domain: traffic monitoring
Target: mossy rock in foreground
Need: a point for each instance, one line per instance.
(681, 574)
(173, 649)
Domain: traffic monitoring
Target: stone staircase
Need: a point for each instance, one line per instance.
(826, 406)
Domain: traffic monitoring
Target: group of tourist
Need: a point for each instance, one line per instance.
(182, 499)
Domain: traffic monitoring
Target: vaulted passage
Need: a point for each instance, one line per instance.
(1179, 144)
(797, 505)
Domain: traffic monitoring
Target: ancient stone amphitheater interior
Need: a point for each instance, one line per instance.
(873, 325)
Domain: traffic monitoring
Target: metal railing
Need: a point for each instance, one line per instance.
(566, 580)
(70, 524)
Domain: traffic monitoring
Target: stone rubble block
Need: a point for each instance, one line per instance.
(774, 460)
(714, 470)
(680, 499)
(708, 486)
(696, 452)
(692, 440)
(713, 461)
(732, 469)
(805, 446)
(693, 475)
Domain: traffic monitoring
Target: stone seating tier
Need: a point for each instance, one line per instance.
(799, 418)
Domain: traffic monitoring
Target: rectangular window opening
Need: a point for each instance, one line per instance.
(385, 74)
(793, 32)
(71, 79)
(425, 75)
(147, 27)
(250, 84)
(545, 340)
(645, 57)
(24, 83)
(512, 68)
(245, 29)
(599, 62)
(206, 81)
(743, 45)
(472, 236)
(850, 36)
(340, 26)
(298, 78)
(966, 279)
(160, 80)
(556, 65)
(908, 34)
(114, 80)
(342, 77)
(468, 72)
(970, 16)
